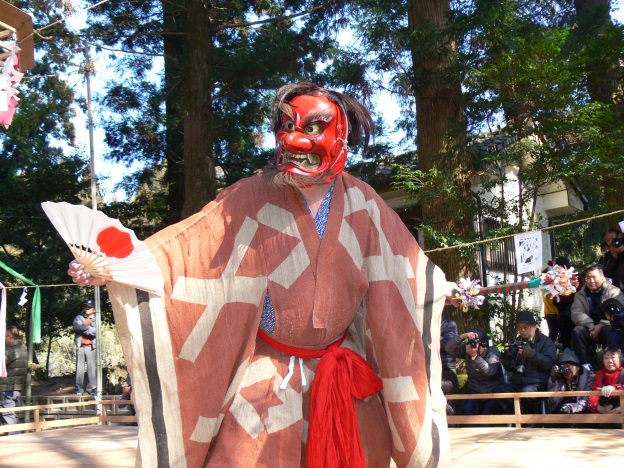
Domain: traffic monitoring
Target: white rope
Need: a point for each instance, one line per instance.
(291, 371)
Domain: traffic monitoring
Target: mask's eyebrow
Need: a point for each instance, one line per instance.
(288, 110)
(324, 115)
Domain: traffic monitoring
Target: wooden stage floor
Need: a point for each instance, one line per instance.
(115, 446)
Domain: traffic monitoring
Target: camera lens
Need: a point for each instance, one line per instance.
(617, 242)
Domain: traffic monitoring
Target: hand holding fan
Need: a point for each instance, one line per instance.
(105, 247)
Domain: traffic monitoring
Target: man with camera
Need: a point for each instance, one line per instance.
(483, 367)
(529, 359)
(613, 260)
(591, 326)
(570, 376)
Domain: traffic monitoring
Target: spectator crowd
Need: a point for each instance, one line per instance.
(581, 352)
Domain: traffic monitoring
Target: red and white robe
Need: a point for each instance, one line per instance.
(207, 390)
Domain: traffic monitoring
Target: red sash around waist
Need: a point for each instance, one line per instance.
(341, 375)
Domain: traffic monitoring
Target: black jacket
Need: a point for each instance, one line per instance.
(537, 367)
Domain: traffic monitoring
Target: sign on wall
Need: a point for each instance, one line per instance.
(528, 251)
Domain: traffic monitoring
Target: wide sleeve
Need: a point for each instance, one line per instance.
(402, 321)
(406, 346)
(188, 350)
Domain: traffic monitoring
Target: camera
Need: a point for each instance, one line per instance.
(520, 369)
(617, 242)
(474, 343)
(560, 371)
(611, 308)
(604, 401)
(516, 344)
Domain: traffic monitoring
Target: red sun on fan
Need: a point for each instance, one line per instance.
(115, 243)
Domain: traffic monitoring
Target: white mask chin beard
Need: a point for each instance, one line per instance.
(285, 179)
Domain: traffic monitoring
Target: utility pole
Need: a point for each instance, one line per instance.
(96, 289)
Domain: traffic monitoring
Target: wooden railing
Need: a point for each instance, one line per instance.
(41, 411)
(519, 419)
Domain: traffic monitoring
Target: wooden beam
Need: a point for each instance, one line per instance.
(6, 32)
(22, 23)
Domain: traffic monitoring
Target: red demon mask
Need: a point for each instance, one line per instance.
(312, 140)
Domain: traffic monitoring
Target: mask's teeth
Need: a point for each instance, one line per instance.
(304, 161)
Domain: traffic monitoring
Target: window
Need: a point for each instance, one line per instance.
(500, 255)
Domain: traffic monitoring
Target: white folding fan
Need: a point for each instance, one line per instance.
(105, 247)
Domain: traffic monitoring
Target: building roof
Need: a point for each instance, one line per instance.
(493, 141)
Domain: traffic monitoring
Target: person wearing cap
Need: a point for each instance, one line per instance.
(529, 359)
(570, 376)
(591, 326)
(483, 367)
(86, 343)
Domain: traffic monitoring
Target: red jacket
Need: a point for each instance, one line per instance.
(602, 379)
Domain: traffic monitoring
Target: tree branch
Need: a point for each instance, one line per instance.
(270, 20)
(175, 60)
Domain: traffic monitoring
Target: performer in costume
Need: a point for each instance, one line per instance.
(295, 289)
